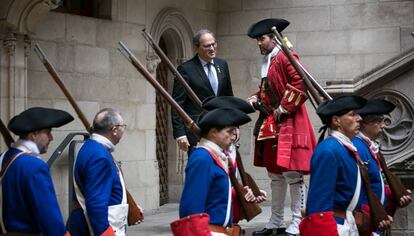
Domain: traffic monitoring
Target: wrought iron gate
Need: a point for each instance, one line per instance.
(161, 133)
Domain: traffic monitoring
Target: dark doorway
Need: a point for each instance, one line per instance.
(161, 130)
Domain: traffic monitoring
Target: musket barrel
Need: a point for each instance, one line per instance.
(137, 64)
(295, 64)
(55, 76)
(172, 68)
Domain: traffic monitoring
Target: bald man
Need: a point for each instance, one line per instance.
(100, 196)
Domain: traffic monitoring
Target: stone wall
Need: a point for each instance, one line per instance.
(336, 40)
(84, 52)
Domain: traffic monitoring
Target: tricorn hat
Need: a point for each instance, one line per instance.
(37, 118)
(265, 27)
(222, 117)
(376, 107)
(339, 106)
(215, 102)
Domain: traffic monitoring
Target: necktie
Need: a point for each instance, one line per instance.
(212, 78)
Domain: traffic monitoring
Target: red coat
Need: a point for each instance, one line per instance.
(296, 140)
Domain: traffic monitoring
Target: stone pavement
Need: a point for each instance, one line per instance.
(157, 223)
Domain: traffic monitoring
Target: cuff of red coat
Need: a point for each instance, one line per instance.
(108, 232)
(319, 224)
(293, 98)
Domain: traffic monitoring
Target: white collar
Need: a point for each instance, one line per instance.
(344, 140)
(203, 63)
(216, 149)
(267, 60)
(26, 146)
(104, 141)
(373, 145)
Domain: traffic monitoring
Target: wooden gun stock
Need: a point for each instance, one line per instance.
(134, 213)
(137, 64)
(378, 212)
(397, 188)
(249, 209)
(246, 177)
(8, 139)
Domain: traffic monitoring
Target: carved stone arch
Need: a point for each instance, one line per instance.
(171, 24)
(22, 16)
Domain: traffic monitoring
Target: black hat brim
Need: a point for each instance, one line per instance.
(265, 27)
(376, 107)
(222, 117)
(339, 106)
(215, 102)
(38, 118)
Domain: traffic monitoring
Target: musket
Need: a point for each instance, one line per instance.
(8, 139)
(398, 190)
(49, 67)
(137, 64)
(378, 212)
(172, 68)
(246, 177)
(308, 84)
(250, 209)
(134, 213)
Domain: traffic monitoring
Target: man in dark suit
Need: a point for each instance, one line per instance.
(207, 76)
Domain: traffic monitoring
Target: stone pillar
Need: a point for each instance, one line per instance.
(13, 75)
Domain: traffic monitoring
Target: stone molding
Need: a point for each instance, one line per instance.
(171, 23)
(22, 16)
(384, 72)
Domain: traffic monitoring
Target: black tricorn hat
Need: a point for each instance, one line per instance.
(215, 102)
(339, 106)
(37, 118)
(222, 117)
(376, 107)
(265, 27)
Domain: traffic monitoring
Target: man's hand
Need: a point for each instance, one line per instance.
(183, 144)
(252, 100)
(142, 211)
(385, 224)
(262, 197)
(249, 196)
(276, 114)
(406, 199)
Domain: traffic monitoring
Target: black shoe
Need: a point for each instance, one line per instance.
(269, 232)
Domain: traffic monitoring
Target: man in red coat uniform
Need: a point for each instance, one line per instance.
(284, 135)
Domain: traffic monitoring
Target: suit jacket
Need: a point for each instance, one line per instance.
(193, 73)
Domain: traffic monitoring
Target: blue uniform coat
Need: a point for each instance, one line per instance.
(206, 188)
(98, 180)
(29, 198)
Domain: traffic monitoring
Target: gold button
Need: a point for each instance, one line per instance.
(309, 218)
(321, 215)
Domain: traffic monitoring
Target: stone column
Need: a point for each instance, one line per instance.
(13, 75)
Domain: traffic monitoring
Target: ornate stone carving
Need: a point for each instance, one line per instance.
(399, 124)
(9, 43)
(152, 62)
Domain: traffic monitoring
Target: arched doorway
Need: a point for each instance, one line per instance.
(173, 34)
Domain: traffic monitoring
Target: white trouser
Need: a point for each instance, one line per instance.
(278, 185)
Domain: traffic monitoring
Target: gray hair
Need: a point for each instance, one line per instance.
(197, 36)
(105, 119)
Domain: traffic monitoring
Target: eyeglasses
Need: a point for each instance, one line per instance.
(208, 46)
(123, 126)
